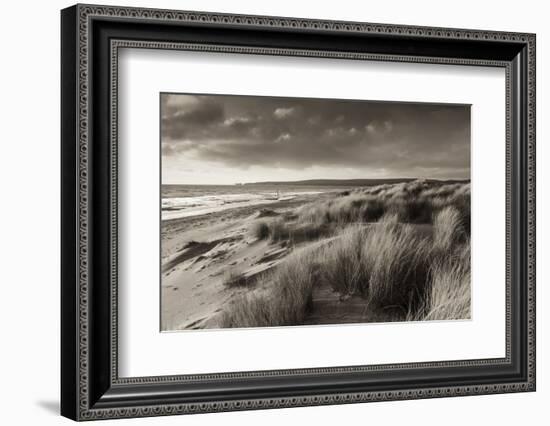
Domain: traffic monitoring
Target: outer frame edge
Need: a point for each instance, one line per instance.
(68, 183)
(84, 413)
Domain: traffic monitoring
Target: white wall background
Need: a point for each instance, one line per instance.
(29, 212)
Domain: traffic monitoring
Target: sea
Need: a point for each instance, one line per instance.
(180, 201)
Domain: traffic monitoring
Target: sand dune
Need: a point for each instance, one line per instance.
(212, 261)
(197, 259)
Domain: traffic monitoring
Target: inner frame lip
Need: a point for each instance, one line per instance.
(117, 44)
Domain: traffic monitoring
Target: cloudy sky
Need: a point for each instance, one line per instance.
(223, 139)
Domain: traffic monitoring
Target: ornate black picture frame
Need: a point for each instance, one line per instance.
(90, 38)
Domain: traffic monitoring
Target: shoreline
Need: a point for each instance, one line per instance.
(197, 251)
(172, 212)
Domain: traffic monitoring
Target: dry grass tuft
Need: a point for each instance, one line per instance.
(279, 230)
(399, 264)
(343, 268)
(260, 230)
(387, 263)
(287, 301)
(449, 295)
(234, 279)
(448, 230)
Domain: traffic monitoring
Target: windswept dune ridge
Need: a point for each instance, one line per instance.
(392, 252)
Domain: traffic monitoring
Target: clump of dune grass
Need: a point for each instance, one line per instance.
(248, 310)
(419, 210)
(260, 230)
(449, 297)
(233, 279)
(461, 201)
(412, 210)
(414, 202)
(286, 302)
(308, 232)
(449, 293)
(343, 267)
(372, 210)
(314, 212)
(387, 263)
(355, 209)
(275, 230)
(399, 264)
(279, 230)
(448, 230)
(267, 213)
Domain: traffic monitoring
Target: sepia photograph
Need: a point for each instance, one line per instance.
(282, 211)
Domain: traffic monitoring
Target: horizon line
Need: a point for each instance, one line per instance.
(322, 179)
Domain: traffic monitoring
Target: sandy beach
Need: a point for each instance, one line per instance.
(199, 250)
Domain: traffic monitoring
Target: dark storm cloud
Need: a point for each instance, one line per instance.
(244, 131)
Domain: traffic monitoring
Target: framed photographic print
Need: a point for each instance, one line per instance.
(263, 212)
